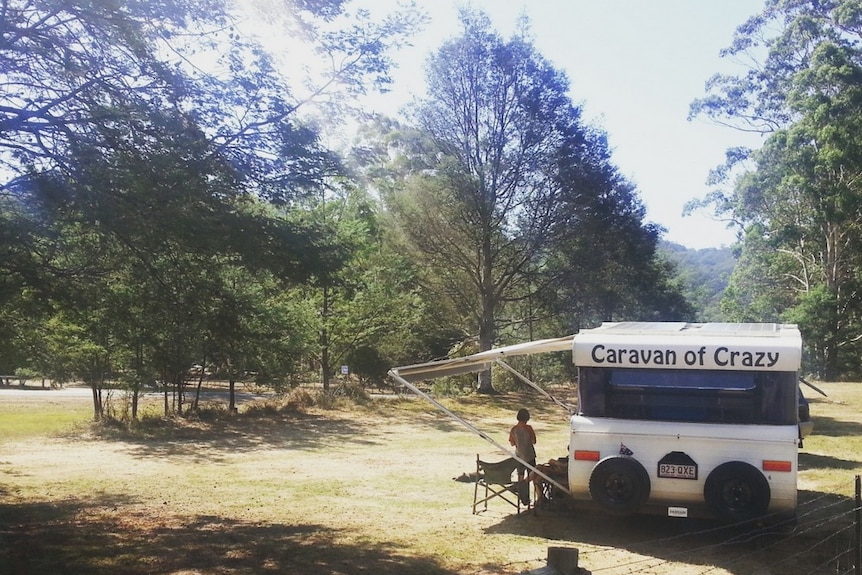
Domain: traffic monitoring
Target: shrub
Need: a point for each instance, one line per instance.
(451, 386)
(299, 398)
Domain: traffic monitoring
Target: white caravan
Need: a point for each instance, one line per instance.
(687, 418)
(683, 419)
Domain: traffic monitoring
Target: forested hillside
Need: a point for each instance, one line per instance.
(703, 274)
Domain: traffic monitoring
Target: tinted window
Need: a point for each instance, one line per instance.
(683, 379)
(689, 395)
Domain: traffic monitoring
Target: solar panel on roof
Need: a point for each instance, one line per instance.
(741, 327)
(706, 329)
(642, 327)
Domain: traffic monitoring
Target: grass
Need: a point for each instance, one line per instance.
(833, 453)
(348, 490)
(21, 419)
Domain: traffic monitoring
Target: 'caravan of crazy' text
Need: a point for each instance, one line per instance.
(721, 356)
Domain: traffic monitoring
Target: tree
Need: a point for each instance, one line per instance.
(800, 200)
(492, 116)
(120, 115)
(158, 131)
(601, 259)
(511, 203)
(373, 305)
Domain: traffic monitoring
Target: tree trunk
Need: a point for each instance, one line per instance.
(197, 398)
(98, 408)
(486, 328)
(324, 340)
(232, 394)
(181, 381)
(324, 368)
(196, 402)
(486, 342)
(486, 322)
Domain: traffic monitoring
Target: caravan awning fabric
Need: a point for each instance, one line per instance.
(480, 361)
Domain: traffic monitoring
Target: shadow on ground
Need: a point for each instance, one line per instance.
(212, 438)
(816, 542)
(832, 427)
(212, 441)
(815, 461)
(94, 538)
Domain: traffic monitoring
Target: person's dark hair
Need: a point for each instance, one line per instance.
(523, 415)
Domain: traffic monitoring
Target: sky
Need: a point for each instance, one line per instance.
(635, 66)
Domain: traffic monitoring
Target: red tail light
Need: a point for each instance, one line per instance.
(774, 465)
(581, 455)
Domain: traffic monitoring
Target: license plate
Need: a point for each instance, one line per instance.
(676, 471)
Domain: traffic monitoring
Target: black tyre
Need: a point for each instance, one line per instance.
(620, 485)
(737, 491)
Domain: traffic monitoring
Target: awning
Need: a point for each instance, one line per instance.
(410, 374)
(480, 361)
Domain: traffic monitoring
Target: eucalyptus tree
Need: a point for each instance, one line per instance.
(798, 199)
(518, 194)
(492, 113)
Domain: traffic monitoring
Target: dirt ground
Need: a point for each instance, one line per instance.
(368, 490)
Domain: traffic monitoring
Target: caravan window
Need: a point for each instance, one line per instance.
(701, 396)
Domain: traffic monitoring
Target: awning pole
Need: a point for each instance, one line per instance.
(526, 380)
(394, 374)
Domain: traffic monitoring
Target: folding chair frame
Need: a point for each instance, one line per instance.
(496, 478)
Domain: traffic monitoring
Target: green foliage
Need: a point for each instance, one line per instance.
(514, 207)
(369, 365)
(797, 199)
(26, 373)
(373, 306)
(494, 111)
(704, 275)
(150, 216)
(164, 204)
(456, 386)
(602, 262)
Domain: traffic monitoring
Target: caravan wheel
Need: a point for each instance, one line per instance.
(620, 485)
(737, 491)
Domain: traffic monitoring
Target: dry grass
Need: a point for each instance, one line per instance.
(834, 451)
(348, 490)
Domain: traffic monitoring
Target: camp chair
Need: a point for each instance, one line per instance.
(496, 479)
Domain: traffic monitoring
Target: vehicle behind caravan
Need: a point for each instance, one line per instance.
(687, 419)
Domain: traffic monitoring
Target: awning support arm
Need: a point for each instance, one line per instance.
(526, 380)
(394, 374)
